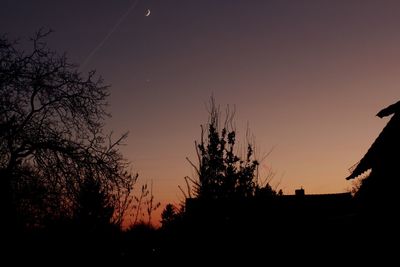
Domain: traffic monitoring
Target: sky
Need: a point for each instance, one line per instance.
(307, 77)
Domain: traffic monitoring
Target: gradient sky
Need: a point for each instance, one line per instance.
(308, 77)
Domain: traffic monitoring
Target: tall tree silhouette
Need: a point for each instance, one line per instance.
(51, 132)
(382, 159)
(94, 209)
(221, 172)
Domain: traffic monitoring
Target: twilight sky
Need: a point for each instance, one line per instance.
(308, 77)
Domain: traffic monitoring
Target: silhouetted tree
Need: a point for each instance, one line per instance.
(221, 172)
(94, 209)
(169, 215)
(51, 135)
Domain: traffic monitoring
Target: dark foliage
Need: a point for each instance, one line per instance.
(171, 216)
(94, 209)
(221, 172)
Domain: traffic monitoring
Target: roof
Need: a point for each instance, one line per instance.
(382, 151)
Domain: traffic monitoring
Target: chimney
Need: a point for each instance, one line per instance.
(299, 192)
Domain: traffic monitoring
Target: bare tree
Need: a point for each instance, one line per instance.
(144, 206)
(51, 132)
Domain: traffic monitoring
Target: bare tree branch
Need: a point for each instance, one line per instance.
(51, 130)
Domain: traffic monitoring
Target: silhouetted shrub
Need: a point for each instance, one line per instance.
(221, 173)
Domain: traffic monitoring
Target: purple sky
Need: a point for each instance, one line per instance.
(308, 77)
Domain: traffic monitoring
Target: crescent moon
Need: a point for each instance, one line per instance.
(148, 12)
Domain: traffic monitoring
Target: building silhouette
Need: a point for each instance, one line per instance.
(379, 189)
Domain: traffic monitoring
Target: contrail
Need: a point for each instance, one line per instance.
(113, 29)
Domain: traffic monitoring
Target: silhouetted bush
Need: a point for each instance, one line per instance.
(221, 173)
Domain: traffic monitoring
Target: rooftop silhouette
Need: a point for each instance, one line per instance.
(381, 156)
